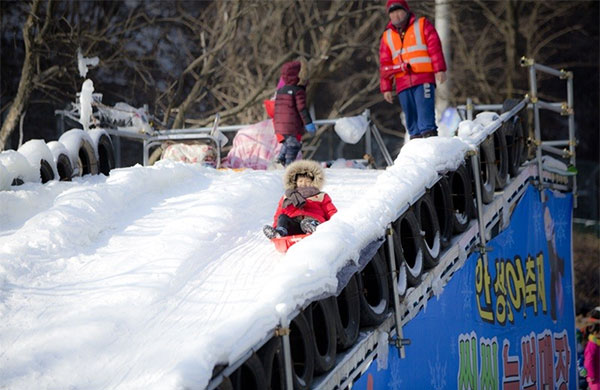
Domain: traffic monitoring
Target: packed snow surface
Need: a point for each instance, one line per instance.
(150, 277)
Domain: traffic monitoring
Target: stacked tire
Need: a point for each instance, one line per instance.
(76, 153)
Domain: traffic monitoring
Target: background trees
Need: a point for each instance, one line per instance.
(193, 59)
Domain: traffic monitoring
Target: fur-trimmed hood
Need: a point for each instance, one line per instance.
(303, 166)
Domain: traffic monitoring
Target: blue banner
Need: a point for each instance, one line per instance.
(507, 324)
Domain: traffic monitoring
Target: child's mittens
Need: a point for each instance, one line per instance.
(311, 128)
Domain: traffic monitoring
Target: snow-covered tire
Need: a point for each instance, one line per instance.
(46, 171)
(320, 316)
(64, 166)
(442, 201)
(462, 199)
(487, 168)
(271, 356)
(408, 247)
(18, 169)
(515, 137)
(104, 151)
(5, 180)
(374, 291)
(40, 157)
(430, 230)
(501, 157)
(303, 352)
(250, 375)
(81, 151)
(347, 315)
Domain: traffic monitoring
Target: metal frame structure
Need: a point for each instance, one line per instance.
(210, 134)
(535, 104)
(355, 361)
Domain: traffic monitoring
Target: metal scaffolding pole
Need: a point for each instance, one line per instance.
(284, 333)
(399, 342)
(572, 139)
(536, 125)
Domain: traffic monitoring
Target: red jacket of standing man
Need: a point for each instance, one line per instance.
(410, 54)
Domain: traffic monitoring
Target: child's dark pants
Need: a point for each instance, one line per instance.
(290, 148)
(292, 225)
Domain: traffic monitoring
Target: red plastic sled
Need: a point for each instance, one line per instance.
(282, 244)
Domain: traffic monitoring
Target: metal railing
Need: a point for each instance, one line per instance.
(210, 134)
(535, 104)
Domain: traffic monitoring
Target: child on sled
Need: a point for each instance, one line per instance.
(303, 206)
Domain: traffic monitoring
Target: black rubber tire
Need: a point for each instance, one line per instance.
(408, 247)
(374, 291)
(250, 375)
(501, 157)
(302, 348)
(487, 167)
(515, 138)
(442, 201)
(347, 315)
(225, 384)
(64, 167)
(271, 356)
(462, 199)
(322, 321)
(430, 231)
(106, 155)
(46, 172)
(402, 280)
(87, 159)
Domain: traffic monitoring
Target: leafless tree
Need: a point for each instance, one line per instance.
(34, 31)
(194, 59)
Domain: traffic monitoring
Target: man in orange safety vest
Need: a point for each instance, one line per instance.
(410, 55)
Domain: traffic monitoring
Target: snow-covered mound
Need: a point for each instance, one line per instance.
(150, 277)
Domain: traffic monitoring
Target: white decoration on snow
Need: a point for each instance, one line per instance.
(85, 103)
(84, 63)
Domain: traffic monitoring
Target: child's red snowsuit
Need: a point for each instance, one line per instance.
(319, 207)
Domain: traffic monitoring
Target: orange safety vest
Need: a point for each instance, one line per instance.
(411, 49)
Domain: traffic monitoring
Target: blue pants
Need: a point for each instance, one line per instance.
(418, 104)
(289, 150)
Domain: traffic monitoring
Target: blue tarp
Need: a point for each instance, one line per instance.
(505, 324)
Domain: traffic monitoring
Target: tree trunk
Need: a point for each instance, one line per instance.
(510, 48)
(26, 82)
(442, 25)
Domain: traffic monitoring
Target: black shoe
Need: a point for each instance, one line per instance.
(429, 133)
(270, 232)
(309, 225)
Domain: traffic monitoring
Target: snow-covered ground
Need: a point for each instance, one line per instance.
(148, 278)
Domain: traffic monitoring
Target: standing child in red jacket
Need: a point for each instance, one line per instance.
(291, 116)
(303, 206)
